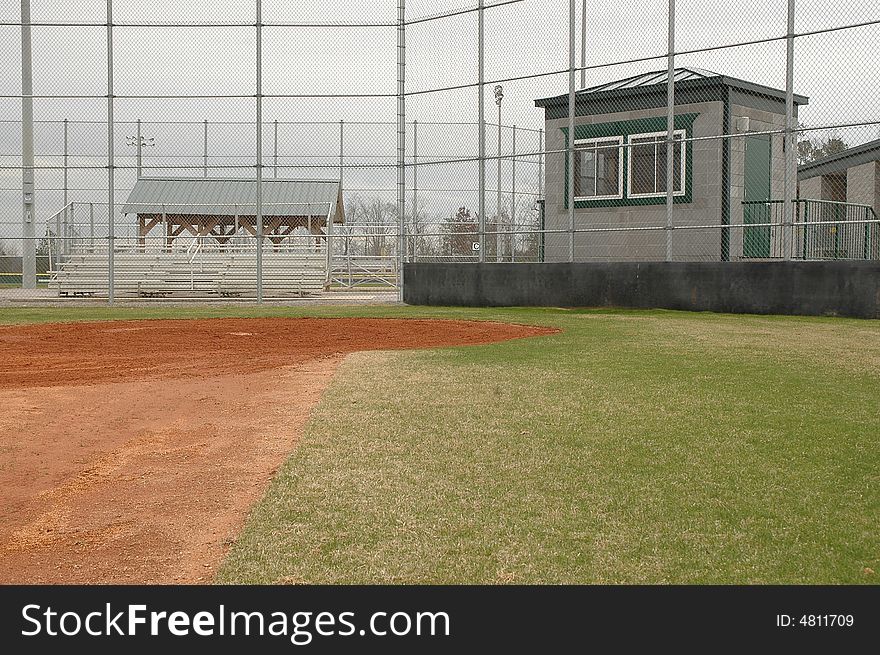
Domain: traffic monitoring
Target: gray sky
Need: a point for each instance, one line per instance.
(838, 71)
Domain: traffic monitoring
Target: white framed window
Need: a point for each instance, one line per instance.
(646, 174)
(598, 168)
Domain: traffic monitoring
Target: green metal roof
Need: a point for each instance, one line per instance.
(655, 83)
(211, 196)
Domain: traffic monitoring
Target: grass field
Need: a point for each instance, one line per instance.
(632, 447)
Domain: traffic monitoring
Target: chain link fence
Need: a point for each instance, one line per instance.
(261, 149)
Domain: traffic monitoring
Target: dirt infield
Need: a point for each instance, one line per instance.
(130, 451)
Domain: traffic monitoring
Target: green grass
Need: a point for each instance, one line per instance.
(633, 447)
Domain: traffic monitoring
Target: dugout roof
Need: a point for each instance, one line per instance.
(228, 197)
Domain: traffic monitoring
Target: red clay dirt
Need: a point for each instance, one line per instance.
(131, 451)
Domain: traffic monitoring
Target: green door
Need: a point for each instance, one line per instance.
(756, 240)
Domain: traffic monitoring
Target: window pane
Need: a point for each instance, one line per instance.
(677, 155)
(661, 167)
(585, 174)
(608, 171)
(676, 165)
(643, 166)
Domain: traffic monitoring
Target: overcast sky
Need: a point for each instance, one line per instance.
(838, 71)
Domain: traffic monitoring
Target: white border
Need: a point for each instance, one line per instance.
(660, 194)
(619, 141)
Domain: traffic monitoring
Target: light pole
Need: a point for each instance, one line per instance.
(499, 96)
(140, 143)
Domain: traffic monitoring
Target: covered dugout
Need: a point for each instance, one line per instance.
(222, 209)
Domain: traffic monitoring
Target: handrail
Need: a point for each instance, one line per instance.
(197, 242)
(194, 245)
(58, 240)
(805, 200)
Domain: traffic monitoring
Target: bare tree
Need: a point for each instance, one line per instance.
(420, 242)
(372, 222)
(462, 234)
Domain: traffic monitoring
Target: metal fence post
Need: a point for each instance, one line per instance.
(67, 230)
(513, 200)
(790, 144)
(540, 164)
(497, 230)
(259, 97)
(139, 149)
(110, 157)
(571, 111)
(275, 154)
(481, 119)
(584, 44)
(401, 142)
(670, 130)
(29, 246)
(236, 227)
(330, 236)
(415, 159)
(341, 151)
(205, 151)
(92, 226)
(59, 241)
(64, 200)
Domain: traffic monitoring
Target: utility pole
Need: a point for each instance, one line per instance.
(138, 142)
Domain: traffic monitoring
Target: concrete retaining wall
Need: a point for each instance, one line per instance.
(805, 288)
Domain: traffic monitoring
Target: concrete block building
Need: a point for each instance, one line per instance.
(620, 168)
(841, 192)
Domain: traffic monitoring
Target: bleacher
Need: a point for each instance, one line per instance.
(227, 274)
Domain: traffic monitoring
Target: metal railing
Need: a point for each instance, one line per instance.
(823, 229)
(396, 159)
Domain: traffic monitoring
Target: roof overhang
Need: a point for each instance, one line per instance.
(839, 162)
(236, 196)
(590, 96)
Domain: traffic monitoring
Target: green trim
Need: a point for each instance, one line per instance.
(626, 129)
